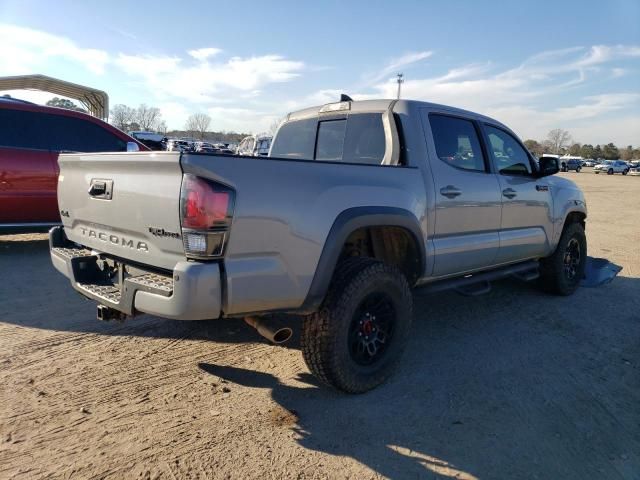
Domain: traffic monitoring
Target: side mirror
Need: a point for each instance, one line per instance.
(548, 166)
(132, 147)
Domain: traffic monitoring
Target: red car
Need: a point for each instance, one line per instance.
(31, 136)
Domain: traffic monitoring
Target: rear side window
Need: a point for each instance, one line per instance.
(365, 141)
(20, 129)
(509, 157)
(295, 140)
(457, 142)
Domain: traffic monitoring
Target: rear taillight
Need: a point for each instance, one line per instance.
(206, 209)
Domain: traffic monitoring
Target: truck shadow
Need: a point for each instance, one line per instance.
(516, 384)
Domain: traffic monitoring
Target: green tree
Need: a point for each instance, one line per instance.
(65, 103)
(597, 152)
(610, 152)
(587, 151)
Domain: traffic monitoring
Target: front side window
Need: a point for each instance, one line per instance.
(509, 157)
(456, 142)
(79, 135)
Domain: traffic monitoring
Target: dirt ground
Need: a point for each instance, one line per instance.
(514, 384)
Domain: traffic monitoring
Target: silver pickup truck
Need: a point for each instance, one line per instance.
(358, 203)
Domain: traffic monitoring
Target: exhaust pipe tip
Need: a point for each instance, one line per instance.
(282, 335)
(269, 329)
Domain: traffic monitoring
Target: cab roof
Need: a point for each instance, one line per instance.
(382, 105)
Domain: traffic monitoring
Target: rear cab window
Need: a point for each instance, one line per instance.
(355, 138)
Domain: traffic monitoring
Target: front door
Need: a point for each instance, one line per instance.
(527, 222)
(468, 205)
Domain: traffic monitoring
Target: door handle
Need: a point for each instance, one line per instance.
(450, 191)
(509, 192)
(97, 188)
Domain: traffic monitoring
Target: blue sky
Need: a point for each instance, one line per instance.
(533, 65)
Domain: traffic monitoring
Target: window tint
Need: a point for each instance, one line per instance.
(457, 142)
(330, 140)
(295, 140)
(55, 132)
(509, 157)
(77, 135)
(20, 129)
(365, 139)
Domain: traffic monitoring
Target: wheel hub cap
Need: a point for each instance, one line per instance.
(571, 259)
(371, 329)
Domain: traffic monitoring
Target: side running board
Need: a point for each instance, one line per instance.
(479, 283)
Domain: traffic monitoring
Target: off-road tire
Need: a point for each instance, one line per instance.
(325, 334)
(552, 269)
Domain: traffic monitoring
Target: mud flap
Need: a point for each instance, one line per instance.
(598, 272)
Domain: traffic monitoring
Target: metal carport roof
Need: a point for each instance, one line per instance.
(95, 101)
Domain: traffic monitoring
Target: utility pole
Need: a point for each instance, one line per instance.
(400, 82)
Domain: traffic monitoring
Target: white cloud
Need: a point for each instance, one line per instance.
(26, 51)
(173, 77)
(516, 95)
(204, 53)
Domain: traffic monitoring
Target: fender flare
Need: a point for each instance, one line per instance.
(346, 223)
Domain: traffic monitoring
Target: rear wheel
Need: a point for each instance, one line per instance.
(578, 170)
(562, 272)
(610, 171)
(354, 342)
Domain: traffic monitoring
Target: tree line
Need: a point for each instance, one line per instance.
(149, 119)
(560, 142)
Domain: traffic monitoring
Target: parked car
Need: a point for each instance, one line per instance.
(174, 145)
(205, 147)
(635, 170)
(255, 146)
(354, 216)
(153, 140)
(31, 136)
(611, 167)
(589, 162)
(570, 164)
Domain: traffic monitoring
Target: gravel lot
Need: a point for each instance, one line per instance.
(514, 384)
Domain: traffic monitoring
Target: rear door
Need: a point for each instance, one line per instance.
(527, 221)
(27, 169)
(468, 205)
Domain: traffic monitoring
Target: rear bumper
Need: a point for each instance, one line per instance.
(191, 292)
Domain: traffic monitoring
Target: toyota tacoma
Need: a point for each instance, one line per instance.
(358, 204)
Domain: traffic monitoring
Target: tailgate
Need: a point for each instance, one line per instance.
(124, 204)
